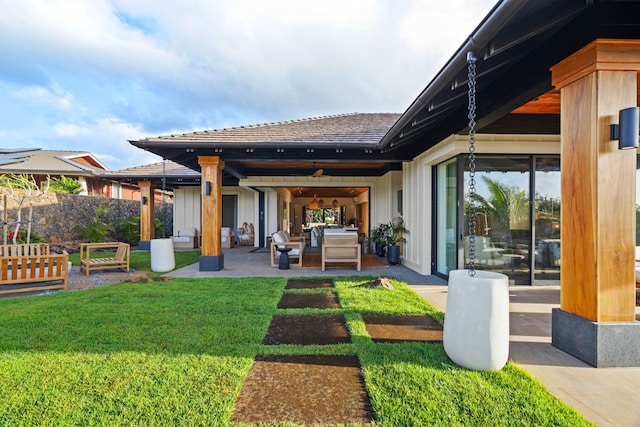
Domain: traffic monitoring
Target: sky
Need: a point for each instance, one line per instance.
(89, 75)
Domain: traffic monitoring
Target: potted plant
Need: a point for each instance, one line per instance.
(395, 236)
(380, 235)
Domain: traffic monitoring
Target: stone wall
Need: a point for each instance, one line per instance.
(55, 216)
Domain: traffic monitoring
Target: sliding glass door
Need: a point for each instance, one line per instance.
(547, 221)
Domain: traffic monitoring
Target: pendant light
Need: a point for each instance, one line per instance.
(313, 205)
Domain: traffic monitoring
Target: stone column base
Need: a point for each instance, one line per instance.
(600, 344)
(211, 263)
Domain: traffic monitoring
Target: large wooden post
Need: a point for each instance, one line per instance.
(211, 258)
(597, 269)
(147, 214)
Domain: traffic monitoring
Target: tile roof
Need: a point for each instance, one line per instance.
(353, 128)
(154, 170)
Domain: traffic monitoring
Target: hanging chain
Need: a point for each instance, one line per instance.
(164, 201)
(471, 61)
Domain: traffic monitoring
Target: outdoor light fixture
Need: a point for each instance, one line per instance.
(321, 203)
(207, 188)
(628, 131)
(143, 200)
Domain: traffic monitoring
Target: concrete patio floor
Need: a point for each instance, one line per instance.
(604, 396)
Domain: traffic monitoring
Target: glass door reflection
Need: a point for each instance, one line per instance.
(503, 226)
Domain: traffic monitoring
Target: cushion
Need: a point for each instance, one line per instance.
(181, 239)
(286, 235)
(278, 238)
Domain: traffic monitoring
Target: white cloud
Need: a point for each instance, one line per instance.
(93, 74)
(53, 95)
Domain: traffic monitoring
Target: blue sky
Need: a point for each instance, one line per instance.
(92, 74)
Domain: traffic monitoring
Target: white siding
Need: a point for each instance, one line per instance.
(383, 199)
(186, 209)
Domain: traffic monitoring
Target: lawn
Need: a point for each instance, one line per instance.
(141, 260)
(177, 352)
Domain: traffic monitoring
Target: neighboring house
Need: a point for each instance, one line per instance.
(552, 76)
(90, 172)
(80, 165)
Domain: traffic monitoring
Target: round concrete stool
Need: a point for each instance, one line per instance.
(476, 324)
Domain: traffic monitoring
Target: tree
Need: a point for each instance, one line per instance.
(65, 185)
(21, 188)
(507, 205)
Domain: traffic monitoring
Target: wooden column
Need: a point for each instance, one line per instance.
(147, 214)
(597, 269)
(211, 258)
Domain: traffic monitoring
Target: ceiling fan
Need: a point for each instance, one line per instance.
(318, 173)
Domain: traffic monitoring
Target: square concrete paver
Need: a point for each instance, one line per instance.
(309, 283)
(308, 390)
(398, 328)
(307, 330)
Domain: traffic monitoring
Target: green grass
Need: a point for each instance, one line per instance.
(177, 352)
(141, 260)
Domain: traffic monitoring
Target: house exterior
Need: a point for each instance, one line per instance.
(80, 165)
(556, 197)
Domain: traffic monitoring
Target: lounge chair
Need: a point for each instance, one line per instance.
(282, 239)
(246, 234)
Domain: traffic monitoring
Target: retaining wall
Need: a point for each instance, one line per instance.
(55, 215)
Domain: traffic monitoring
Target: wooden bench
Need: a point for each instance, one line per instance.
(119, 260)
(33, 263)
(24, 249)
(341, 248)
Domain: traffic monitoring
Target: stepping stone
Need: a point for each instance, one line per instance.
(396, 328)
(308, 390)
(309, 283)
(307, 330)
(312, 300)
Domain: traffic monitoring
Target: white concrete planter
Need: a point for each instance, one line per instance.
(476, 324)
(162, 256)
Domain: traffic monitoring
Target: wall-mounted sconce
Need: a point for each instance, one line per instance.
(207, 188)
(144, 200)
(628, 131)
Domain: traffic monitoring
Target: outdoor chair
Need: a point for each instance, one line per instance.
(119, 260)
(187, 238)
(282, 239)
(227, 237)
(246, 234)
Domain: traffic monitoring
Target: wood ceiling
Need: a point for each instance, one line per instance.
(320, 192)
(549, 103)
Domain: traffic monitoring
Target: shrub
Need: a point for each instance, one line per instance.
(98, 230)
(129, 229)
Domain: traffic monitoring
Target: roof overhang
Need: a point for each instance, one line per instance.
(515, 46)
